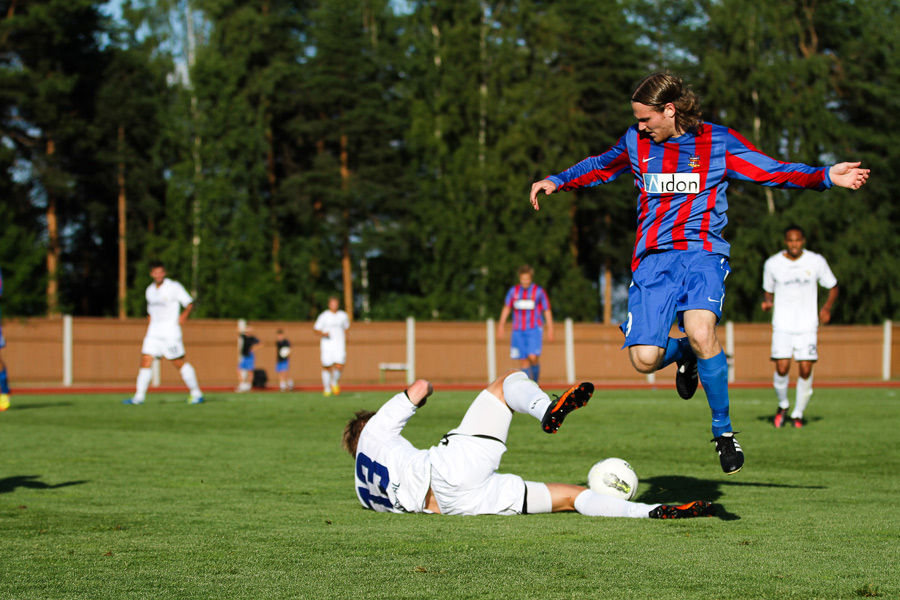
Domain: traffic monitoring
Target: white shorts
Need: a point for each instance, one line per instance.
(464, 465)
(169, 347)
(332, 354)
(800, 346)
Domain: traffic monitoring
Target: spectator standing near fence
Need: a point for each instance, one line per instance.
(331, 327)
(530, 308)
(790, 284)
(283, 361)
(249, 344)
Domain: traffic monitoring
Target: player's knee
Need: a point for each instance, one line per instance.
(645, 359)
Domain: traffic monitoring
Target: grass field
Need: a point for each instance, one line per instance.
(250, 496)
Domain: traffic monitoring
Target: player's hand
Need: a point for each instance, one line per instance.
(824, 316)
(500, 332)
(766, 305)
(419, 391)
(545, 185)
(848, 175)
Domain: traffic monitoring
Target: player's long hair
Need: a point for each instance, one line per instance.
(354, 429)
(658, 89)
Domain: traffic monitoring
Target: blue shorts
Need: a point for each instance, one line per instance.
(525, 342)
(665, 285)
(282, 366)
(248, 363)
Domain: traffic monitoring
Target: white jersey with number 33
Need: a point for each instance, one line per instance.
(794, 284)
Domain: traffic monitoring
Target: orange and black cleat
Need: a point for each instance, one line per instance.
(698, 508)
(575, 397)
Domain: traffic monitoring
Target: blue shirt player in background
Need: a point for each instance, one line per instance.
(4, 380)
(681, 166)
(530, 308)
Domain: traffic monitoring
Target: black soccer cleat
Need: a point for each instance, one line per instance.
(698, 508)
(575, 397)
(686, 377)
(730, 454)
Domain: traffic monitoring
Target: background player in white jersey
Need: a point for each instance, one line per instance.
(790, 280)
(459, 476)
(165, 299)
(331, 326)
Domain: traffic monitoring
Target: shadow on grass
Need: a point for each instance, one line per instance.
(788, 423)
(18, 406)
(676, 489)
(9, 484)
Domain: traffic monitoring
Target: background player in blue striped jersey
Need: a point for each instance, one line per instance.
(681, 166)
(530, 308)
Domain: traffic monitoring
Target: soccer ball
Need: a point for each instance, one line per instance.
(613, 477)
(284, 351)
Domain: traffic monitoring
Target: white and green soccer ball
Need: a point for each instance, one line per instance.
(284, 351)
(613, 477)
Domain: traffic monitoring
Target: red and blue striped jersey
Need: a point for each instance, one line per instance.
(682, 182)
(528, 306)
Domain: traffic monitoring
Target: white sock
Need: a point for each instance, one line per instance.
(804, 391)
(781, 389)
(143, 382)
(326, 379)
(190, 379)
(537, 498)
(591, 504)
(524, 396)
(335, 376)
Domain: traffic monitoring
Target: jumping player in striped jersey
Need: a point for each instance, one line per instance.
(530, 308)
(681, 167)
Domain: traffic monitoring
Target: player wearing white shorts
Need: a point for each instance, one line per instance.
(790, 281)
(165, 299)
(459, 475)
(331, 326)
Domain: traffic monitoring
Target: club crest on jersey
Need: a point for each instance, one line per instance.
(672, 183)
(694, 162)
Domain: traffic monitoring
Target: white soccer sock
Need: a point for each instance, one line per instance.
(143, 382)
(326, 380)
(591, 504)
(804, 391)
(537, 498)
(524, 396)
(190, 379)
(781, 383)
(335, 376)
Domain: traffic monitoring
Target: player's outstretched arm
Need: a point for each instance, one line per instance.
(848, 175)
(545, 185)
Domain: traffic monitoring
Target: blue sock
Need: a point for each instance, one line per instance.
(676, 349)
(535, 372)
(4, 382)
(713, 374)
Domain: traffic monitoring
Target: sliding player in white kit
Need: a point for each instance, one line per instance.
(459, 475)
(790, 280)
(165, 298)
(330, 326)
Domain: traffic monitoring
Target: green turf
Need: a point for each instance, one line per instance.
(250, 496)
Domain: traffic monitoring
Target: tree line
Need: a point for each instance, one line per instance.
(275, 152)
